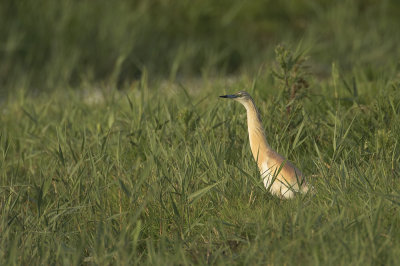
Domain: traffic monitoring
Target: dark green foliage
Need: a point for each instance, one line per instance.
(292, 73)
(46, 43)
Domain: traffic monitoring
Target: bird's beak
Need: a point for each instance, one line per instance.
(229, 96)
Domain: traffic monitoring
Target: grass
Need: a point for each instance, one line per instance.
(162, 174)
(115, 148)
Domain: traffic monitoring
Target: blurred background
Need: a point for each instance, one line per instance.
(47, 44)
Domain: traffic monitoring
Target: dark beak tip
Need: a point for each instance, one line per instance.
(228, 96)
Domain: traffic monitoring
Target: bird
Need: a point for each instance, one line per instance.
(280, 177)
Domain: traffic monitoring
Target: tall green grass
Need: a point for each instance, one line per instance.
(160, 172)
(163, 174)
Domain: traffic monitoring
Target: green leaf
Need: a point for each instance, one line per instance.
(199, 193)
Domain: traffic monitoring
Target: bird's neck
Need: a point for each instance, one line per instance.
(258, 141)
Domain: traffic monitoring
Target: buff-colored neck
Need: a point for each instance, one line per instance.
(258, 141)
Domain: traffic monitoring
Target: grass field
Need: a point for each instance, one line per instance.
(162, 174)
(159, 171)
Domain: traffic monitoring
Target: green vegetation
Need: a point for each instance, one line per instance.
(159, 171)
(46, 44)
(163, 174)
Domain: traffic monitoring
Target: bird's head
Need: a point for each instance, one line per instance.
(240, 96)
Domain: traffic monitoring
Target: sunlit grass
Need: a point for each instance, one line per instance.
(163, 174)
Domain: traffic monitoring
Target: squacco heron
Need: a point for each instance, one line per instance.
(279, 176)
